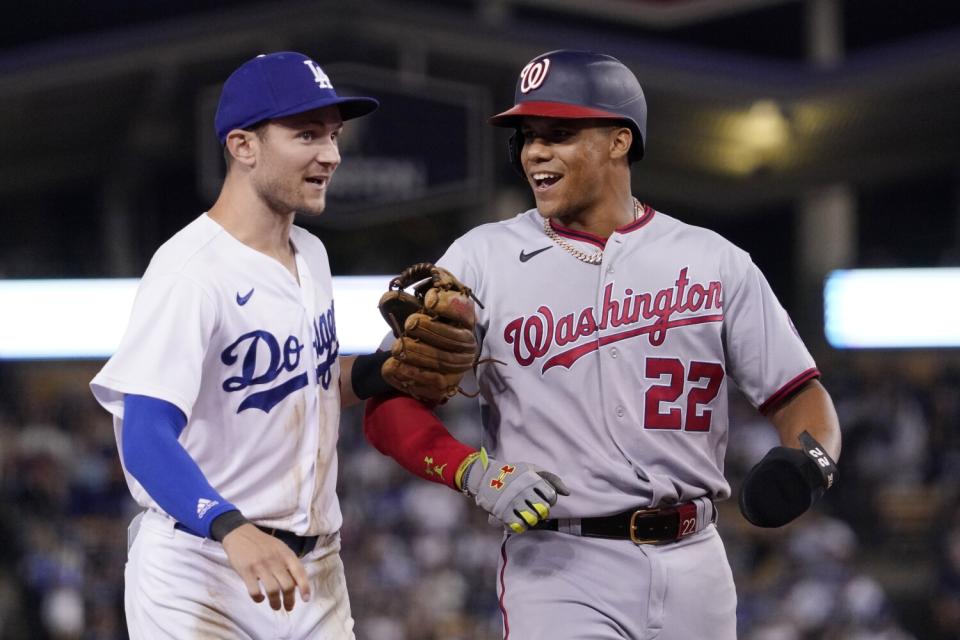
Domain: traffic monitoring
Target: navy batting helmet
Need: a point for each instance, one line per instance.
(577, 84)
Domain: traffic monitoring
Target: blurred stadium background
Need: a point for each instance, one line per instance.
(816, 134)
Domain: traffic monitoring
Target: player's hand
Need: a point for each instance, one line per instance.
(261, 559)
(786, 483)
(517, 494)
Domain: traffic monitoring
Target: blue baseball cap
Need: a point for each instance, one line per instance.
(280, 84)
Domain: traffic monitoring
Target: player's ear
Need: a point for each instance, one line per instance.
(620, 140)
(242, 145)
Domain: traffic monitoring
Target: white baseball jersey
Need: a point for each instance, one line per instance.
(227, 334)
(616, 375)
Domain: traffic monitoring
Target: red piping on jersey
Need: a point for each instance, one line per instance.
(503, 591)
(788, 390)
(593, 238)
(567, 358)
(644, 218)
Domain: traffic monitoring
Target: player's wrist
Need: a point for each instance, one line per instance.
(462, 479)
(821, 468)
(366, 376)
(225, 523)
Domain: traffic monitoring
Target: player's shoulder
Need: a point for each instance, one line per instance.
(523, 224)
(186, 262)
(184, 250)
(697, 237)
(470, 255)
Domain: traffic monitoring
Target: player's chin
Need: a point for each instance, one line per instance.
(548, 206)
(550, 197)
(312, 207)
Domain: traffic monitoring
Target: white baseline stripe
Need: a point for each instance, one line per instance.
(86, 318)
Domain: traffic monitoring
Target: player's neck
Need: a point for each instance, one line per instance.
(602, 218)
(261, 229)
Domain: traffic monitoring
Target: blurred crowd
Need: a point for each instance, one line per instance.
(877, 559)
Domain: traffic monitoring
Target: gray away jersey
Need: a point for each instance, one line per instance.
(616, 375)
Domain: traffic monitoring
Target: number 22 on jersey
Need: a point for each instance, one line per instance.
(672, 378)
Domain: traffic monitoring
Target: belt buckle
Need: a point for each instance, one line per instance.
(634, 538)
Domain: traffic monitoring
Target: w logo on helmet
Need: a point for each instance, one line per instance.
(533, 75)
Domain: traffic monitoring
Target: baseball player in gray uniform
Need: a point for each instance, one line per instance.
(610, 333)
(227, 386)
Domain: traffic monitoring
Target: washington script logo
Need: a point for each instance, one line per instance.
(263, 358)
(533, 336)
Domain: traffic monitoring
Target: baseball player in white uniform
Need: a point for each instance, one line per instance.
(610, 333)
(227, 387)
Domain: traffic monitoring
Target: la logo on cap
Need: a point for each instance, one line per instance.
(318, 75)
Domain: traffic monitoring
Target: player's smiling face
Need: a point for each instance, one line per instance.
(566, 162)
(297, 157)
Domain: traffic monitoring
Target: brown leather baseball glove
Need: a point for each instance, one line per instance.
(434, 327)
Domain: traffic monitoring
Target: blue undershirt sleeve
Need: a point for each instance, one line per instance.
(154, 456)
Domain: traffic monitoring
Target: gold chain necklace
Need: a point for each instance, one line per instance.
(583, 256)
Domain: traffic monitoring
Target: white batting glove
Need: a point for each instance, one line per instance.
(517, 495)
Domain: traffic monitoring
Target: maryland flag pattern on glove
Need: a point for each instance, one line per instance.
(434, 327)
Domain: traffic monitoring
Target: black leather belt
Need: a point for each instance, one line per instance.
(640, 526)
(300, 545)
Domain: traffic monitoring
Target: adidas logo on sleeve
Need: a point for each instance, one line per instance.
(204, 505)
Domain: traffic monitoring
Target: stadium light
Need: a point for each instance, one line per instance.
(892, 308)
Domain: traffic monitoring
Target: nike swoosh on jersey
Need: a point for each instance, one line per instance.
(524, 256)
(242, 300)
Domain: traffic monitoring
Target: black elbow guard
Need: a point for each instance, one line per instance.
(366, 378)
(786, 482)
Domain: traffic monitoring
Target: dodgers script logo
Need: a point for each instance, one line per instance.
(263, 359)
(533, 336)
